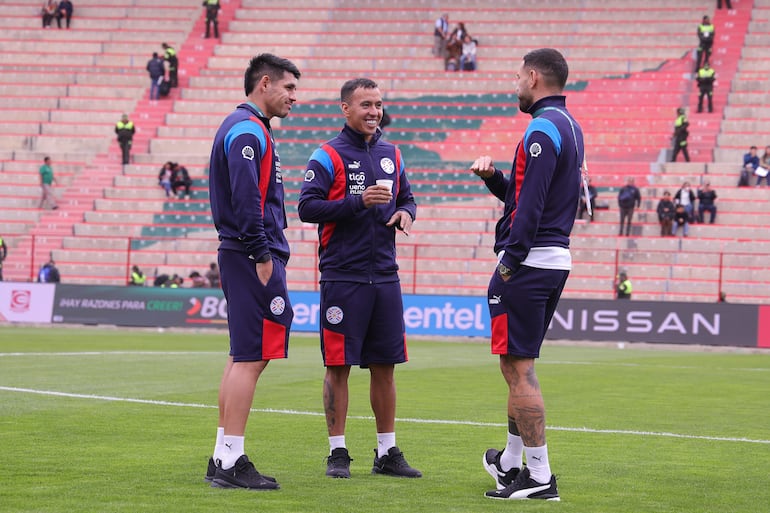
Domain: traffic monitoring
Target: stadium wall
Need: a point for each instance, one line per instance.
(718, 324)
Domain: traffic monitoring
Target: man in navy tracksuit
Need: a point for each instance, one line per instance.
(357, 191)
(541, 196)
(247, 205)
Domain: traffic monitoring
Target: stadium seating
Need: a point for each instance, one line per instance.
(629, 72)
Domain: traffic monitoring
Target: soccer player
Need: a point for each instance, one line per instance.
(541, 196)
(357, 191)
(247, 205)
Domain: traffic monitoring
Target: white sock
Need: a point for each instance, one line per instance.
(537, 463)
(511, 457)
(384, 442)
(336, 442)
(219, 445)
(233, 450)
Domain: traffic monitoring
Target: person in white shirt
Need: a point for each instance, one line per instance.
(468, 58)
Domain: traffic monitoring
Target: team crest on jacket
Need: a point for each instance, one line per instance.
(309, 175)
(248, 152)
(334, 315)
(387, 165)
(277, 305)
(535, 149)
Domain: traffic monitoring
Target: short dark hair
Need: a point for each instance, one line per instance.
(551, 64)
(351, 85)
(270, 65)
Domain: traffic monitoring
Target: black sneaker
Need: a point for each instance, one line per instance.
(491, 461)
(338, 463)
(394, 464)
(212, 469)
(242, 475)
(524, 487)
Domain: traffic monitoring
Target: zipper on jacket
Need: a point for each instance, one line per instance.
(373, 213)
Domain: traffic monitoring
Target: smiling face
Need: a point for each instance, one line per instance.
(280, 95)
(276, 97)
(363, 111)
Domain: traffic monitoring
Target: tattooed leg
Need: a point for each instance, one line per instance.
(335, 396)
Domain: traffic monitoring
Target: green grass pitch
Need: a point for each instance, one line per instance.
(107, 420)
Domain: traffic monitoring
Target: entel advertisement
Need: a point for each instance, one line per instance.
(463, 316)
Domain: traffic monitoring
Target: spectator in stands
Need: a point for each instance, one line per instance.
(48, 12)
(762, 169)
(138, 279)
(170, 56)
(681, 220)
(160, 279)
(705, 34)
(727, 3)
(125, 131)
(64, 10)
(705, 79)
(47, 179)
(212, 12)
(198, 281)
(623, 287)
(441, 36)
(157, 71)
(722, 297)
(582, 208)
(751, 158)
(707, 199)
(455, 47)
(458, 33)
(174, 282)
(468, 57)
(3, 255)
(745, 176)
(49, 273)
(180, 178)
(685, 197)
(628, 198)
(454, 50)
(212, 275)
(164, 177)
(681, 133)
(666, 211)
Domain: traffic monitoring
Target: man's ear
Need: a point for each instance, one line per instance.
(264, 82)
(534, 77)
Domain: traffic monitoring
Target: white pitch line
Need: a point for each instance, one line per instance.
(365, 417)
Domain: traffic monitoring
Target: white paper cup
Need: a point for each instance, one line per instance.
(386, 183)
